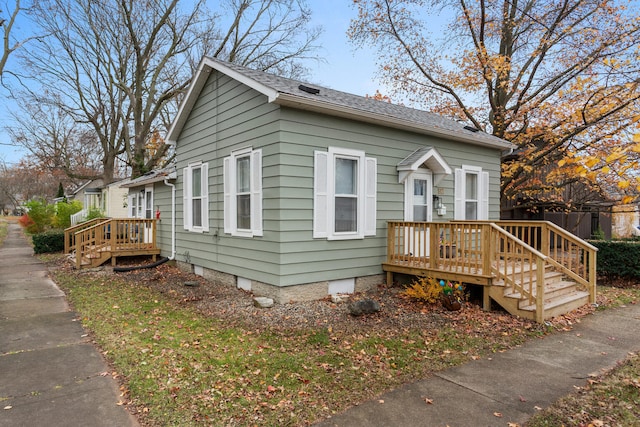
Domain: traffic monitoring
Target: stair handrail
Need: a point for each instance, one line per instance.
(588, 280)
(534, 255)
(84, 240)
(70, 233)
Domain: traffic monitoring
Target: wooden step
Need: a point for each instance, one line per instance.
(551, 290)
(560, 296)
(561, 305)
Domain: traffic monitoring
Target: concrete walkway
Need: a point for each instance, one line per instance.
(510, 386)
(50, 373)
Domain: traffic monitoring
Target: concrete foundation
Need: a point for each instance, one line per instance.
(282, 294)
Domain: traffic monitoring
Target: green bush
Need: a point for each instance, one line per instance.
(618, 258)
(47, 242)
(64, 210)
(94, 213)
(41, 213)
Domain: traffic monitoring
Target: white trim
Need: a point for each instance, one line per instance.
(187, 197)
(429, 159)
(421, 173)
(230, 192)
(324, 194)
(482, 207)
(320, 195)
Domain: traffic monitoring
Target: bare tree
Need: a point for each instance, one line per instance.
(7, 24)
(28, 180)
(119, 66)
(55, 141)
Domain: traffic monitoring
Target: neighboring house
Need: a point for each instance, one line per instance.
(285, 188)
(110, 199)
(578, 209)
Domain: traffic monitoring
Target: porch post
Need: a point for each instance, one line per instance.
(592, 275)
(540, 290)
(488, 248)
(434, 244)
(545, 243)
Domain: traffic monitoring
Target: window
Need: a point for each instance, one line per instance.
(148, 202)
(135, 204)
(471, 193)
(243, 193)
(344, 194)
(196, 197)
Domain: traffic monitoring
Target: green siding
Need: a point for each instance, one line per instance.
(229, 116)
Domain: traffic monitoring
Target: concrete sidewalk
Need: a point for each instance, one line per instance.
(50, 373)
(508, 387)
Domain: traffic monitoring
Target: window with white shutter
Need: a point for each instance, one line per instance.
(344, 194)
(471, 193)
(242, 175)
(196, 197)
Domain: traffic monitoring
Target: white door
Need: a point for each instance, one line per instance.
(148, 213)
(418, 208)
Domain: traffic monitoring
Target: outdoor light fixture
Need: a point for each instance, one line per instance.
(440, 208)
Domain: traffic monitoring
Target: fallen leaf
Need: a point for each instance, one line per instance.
(428, 401)
(522, 399)
(8, 407)
(497, 414)
(380, 401)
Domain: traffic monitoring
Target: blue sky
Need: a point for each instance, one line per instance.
(344, 67)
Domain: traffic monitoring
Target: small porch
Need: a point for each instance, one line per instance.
(535, 270)
(97, 241)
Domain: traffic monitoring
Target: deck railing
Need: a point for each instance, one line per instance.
(125, 235)
(438, 245)
(575, 257)
(70, 233)
(516, 252)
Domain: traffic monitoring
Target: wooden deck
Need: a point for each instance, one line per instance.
(95, 242)
(533, 269)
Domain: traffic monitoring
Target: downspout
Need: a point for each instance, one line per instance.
(173, 218)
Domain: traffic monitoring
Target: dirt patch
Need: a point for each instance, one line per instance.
(397, 311)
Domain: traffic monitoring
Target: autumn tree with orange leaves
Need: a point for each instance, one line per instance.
(558, 78)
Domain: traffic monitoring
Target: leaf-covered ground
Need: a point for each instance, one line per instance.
(192, 352)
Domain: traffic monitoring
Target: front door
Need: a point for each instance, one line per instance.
(418, 195)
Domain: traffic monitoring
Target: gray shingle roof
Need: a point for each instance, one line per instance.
(150, 177)
(334, 102)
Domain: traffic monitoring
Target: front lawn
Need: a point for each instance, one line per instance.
(203, 355)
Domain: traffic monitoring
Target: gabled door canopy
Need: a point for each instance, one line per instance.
(427, 157)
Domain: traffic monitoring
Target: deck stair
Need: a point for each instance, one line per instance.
(561, 295)
(95, 242)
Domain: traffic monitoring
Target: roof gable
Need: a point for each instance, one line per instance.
(427, 157)
(305, 96)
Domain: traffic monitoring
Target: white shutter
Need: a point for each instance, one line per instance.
(256, 192)
(370, 196)
(226, 182)
(205, 196)
(458, 207)
(483, 195)
(320, 195)
(186, 198)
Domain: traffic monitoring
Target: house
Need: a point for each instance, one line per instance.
(110, 199)
(295, 191)
(578, 208)
(285, 188)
